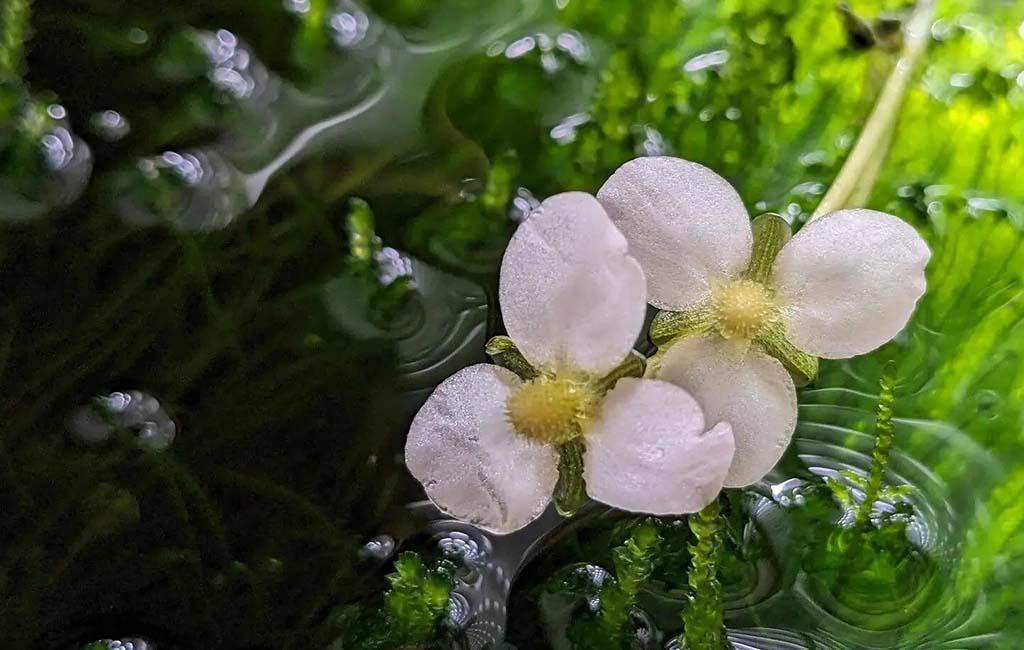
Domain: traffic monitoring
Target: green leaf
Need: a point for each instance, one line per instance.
(771, 232)
(506, 354)
(802, 367)
(571, 490)
(670, 325)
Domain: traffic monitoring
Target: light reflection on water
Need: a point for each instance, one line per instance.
(371, 98)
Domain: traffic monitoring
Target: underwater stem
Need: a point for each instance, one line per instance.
(883, 443)
(14, 24)
(854, 181)
(703, 626)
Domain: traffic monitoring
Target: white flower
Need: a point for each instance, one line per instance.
(485, 445)
(844, 285)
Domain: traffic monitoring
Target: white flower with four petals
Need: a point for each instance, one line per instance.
(485, 445)
(844, 285)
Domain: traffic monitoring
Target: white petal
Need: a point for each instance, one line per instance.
(685, 224)
(571, 295)
(748, 389)
(471, 463)
(849, 282)
(649, 452)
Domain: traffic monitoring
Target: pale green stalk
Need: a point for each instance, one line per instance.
(853, 184)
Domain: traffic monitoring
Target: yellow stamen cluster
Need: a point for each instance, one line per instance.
(743, 308)
(551, 409)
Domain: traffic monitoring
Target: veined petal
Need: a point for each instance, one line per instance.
(849, 282)
(570, 293)
(471, 463)
(746, 388)
(685, 224)
(648, 451)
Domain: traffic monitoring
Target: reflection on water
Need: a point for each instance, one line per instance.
(371, 97)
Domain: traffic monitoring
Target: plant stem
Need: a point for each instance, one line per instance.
(854, 181)
(703, 626)
(883, 443)
(14, 25)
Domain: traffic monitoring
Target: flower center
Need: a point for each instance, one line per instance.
(550, 409)
(743, 308)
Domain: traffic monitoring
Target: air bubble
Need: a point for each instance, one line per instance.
(133, 411)
(379, 548)
(197, 190)
(109, 125)
(45, 165)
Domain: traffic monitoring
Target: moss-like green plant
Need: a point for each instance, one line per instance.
(418, 598)
(633, 564)
(703, 626)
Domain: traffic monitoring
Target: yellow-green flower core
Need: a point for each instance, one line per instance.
(551, 409)
(743, 308)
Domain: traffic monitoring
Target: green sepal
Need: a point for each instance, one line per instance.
(571, 490)
(771, 232)
(670, 325)
(507, 355)
(632, 366)
(802, 367)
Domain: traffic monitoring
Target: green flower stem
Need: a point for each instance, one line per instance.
(14, 25)
(884, 433)
(771, 232)
(571, 489)
(703, 626)
(506, 354)
(853, 184)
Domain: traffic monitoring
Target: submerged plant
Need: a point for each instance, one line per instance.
(412, 612)
(487, 444)
(633, 563)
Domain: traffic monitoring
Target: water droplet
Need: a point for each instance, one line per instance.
(299, 7)
(379, 548)
(714, 59)
(46, 166)
(349, 25)
(653, 143)
(574, 45)
(521, 47)
(120, 644)
(197, 190)
(110, 125)
(522, 204)
(134, 411)
(459, 612)
(565, 131)
(461, 548)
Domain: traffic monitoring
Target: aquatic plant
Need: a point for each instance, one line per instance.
(291, 395)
